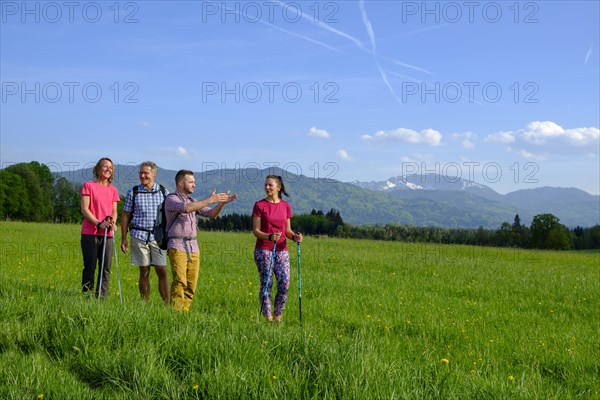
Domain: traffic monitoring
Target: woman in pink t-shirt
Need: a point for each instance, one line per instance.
(99, 200)
(271, 225)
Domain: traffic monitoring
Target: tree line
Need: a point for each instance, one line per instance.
(30, 192)
(545, 231)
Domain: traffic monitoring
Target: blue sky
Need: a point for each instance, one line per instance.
(503, 93)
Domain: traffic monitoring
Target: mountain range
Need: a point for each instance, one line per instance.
(574, 207)
(417, 200)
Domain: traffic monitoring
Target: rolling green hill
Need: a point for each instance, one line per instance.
(362, 206)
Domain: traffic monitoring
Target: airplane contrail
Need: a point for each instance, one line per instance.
(371, 33)
(588, 54)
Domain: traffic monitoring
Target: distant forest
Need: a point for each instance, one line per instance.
(30, 192)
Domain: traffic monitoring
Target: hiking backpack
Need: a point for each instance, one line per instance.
(161, 230)
(136, 191)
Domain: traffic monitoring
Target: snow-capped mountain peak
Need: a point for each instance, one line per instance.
(389, 185)
(428, 182)
(413, 186)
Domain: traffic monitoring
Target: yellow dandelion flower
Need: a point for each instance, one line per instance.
(40, 396)
(444, 361)
(511, 378)
(195, 387)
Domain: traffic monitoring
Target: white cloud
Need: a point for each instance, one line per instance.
(539, 139)
(467, 139)
(537, 132)
(145, 124)
(320, 133)
(501, 138)
(544, 132)
(468, 144)
(427, 136)
(180, 151)
(531, 156)
(343, 154)
(583, 136)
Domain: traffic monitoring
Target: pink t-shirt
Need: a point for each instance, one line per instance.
(273, 218)
(102, 199)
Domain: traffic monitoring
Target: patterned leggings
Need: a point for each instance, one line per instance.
(281, 270)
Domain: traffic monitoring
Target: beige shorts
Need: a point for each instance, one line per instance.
(144, 255)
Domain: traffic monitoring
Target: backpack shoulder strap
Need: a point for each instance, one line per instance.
(163, 191)
(135, 190)
(172, 221)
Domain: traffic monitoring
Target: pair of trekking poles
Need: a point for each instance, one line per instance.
(266, 289)
(102, 264)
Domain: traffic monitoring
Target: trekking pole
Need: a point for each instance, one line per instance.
(118, 275)
(102, 264)
(299, 286)
(266, 289)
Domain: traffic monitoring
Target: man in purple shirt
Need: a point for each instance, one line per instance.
(183, 251)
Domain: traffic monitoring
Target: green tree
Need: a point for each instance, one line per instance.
(558, 238)
(14, 202)
(517, 231)
(594, 237)
(335, 217)
(66, 201)
(46, 184)
(38, 183)
(505, 235)
(548, 233)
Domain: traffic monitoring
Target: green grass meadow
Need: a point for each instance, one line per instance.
(380, 320)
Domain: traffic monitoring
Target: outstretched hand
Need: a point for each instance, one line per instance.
(222, 197)
(230, 197)
(218, 197)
